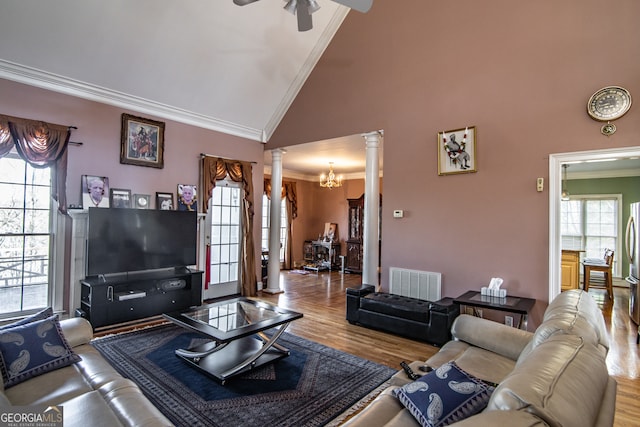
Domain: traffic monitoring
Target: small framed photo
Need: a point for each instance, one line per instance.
(331, 232)
(141, 201)
(457, 151)
(164, 201)
(142, 142)
(187, 197)
(120, 198)
(95, 191)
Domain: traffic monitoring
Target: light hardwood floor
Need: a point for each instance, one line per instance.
(321, 298)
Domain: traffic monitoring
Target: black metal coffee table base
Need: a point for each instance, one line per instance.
(224, 361)
(236, 328)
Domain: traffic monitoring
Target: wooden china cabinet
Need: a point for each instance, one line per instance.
(353, 260)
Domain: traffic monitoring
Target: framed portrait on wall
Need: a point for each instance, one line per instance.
(457, 151)
(95, 191)
(164, 201)
(142, 142)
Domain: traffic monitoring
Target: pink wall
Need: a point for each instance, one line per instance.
(521, 72)
(99, 131)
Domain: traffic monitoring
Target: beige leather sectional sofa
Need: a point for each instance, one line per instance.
(91, 392)
(555, 376)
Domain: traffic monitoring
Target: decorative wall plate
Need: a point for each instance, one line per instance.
(141, 201)
(609, 103)
(608, 129)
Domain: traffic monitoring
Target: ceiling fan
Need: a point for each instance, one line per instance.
(304, 8)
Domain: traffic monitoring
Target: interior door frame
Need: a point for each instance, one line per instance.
(555, 190)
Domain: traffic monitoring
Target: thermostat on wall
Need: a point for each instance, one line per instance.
(398, 213)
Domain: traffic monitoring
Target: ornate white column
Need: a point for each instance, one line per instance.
(371, 226)
(273, 268)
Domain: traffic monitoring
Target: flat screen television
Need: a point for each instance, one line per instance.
(127, 240)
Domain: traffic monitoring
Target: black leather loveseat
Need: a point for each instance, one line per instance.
(410, 317)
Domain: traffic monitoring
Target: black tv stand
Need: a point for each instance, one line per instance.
(122, 297)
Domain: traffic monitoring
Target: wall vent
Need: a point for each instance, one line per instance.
(424, 285)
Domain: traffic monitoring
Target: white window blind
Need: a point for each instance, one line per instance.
(592, 224)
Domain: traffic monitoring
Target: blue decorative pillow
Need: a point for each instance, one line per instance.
(32, 349)
(444, 396)
(41, 315)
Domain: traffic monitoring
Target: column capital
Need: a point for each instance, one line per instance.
(372, 138)
(278, 152)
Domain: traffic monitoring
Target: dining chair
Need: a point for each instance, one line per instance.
(605, 266)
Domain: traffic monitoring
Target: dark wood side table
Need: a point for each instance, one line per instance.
(509, 304)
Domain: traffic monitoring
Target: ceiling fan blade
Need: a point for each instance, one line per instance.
(305, 22)
(359, 5)
(244, 2)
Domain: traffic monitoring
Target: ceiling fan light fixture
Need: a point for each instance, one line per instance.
(305, 22)
(313, 6)
(304, 8)
(291, 6)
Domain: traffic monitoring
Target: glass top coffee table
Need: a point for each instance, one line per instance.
(237, 328)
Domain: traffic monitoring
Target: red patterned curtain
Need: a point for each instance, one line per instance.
(215, 169)
(41, 145)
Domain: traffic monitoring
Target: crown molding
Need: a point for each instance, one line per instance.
(290, 174)
(54, 82)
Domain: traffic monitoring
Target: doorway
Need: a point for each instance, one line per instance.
(555, 184)
(223, 239)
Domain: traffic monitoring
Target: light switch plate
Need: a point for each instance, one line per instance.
(398, 213)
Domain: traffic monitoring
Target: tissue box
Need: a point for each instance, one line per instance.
(497, 293)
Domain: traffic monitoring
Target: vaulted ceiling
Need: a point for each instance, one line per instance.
(210, 63)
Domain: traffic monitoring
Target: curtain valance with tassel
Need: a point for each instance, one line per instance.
(41, 145)
(215, 169)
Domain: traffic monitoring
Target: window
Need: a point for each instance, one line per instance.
(592, 224)
(25, 236)
(266, 224)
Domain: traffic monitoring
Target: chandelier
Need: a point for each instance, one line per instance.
(330, 180)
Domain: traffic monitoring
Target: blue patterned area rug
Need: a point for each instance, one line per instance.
(311, 387)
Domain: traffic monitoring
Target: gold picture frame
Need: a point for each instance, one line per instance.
(142, 142)
(457, 151)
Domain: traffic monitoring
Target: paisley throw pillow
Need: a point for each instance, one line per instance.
(444, 396)
(32, 349)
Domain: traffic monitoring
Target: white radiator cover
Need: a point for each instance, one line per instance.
(424, 285)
